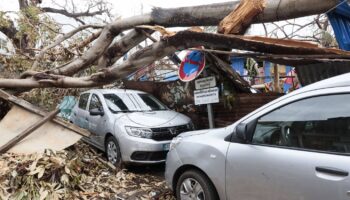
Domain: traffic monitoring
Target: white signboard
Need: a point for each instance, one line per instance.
(206, 96)
(204, 83)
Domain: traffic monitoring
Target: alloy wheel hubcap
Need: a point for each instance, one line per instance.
(112, 152)
(191, 190)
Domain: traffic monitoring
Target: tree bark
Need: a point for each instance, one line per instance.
(239, 20)
(180, 41)
(73, 15)
(205, 15)
(121, 47)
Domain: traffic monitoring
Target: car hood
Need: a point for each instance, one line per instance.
(207, 132)
(166, 118)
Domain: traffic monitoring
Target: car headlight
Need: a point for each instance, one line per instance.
(139, 132)
(175, 142)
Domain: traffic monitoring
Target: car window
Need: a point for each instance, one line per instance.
(83, 100)
(151, 103)
(318, 123)
(95, 103)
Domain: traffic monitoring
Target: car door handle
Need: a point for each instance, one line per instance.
(333, 171)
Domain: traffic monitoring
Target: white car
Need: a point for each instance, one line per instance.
(130, 126)
(295, 148)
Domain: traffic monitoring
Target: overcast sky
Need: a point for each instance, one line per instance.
(124, 8)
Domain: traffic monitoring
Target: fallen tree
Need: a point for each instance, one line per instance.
(206, 15)
(180, 41)
(108, 53)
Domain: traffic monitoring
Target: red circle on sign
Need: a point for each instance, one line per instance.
(192, 66)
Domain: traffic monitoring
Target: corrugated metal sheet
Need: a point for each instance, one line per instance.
(308, 74)
(340, 20)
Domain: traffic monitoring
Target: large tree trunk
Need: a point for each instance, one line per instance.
(206, 15)
(180, 41)
(190, 16)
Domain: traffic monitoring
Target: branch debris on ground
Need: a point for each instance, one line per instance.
(75, 173)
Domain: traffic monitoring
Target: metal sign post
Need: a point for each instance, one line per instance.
(207, 93)
(210, 116)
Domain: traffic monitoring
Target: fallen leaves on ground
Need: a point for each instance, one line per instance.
(76, 173)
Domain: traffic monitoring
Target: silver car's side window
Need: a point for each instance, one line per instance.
(95, 103)
(319, 123)
(83, 100)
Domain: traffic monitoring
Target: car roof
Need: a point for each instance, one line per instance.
(333, 82)
(115, 91)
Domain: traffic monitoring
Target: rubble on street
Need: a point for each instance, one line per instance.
(75, 173)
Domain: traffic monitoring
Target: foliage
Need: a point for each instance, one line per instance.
(4, 21)
(28, 24)
(328, 40)
(77, 173)
(14, 65)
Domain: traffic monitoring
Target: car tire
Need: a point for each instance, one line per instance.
(190, 178)
(113, 151)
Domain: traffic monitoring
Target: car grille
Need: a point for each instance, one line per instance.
(149, 156)
(168, 133)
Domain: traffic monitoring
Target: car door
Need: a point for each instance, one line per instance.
(97, 123)
(80, 112)
(299, 151)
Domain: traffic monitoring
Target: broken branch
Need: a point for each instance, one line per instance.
(166, 46)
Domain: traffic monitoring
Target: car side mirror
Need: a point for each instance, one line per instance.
(244, 132)
(96, 112)
(240, 134)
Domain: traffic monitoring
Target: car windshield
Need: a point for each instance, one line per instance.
(151, 103)
(128, 103)
(115, 103)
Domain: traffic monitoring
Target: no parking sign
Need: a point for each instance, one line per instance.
(192, 66)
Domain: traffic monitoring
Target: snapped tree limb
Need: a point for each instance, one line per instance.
(205, 15)
(239, 20)
(166, 46)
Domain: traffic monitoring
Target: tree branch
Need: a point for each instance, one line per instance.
(73, 15)
(121, 47)
(166, 46)
(205, 15)
(60, 40)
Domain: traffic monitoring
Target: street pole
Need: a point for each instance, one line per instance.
(209, 108)
(210, 116)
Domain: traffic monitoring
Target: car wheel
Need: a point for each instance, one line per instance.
(195, 185)
(113, 151)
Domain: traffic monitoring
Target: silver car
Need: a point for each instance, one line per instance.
(130, 126)
(294, 148)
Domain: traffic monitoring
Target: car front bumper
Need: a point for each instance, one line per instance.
(143, 151)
